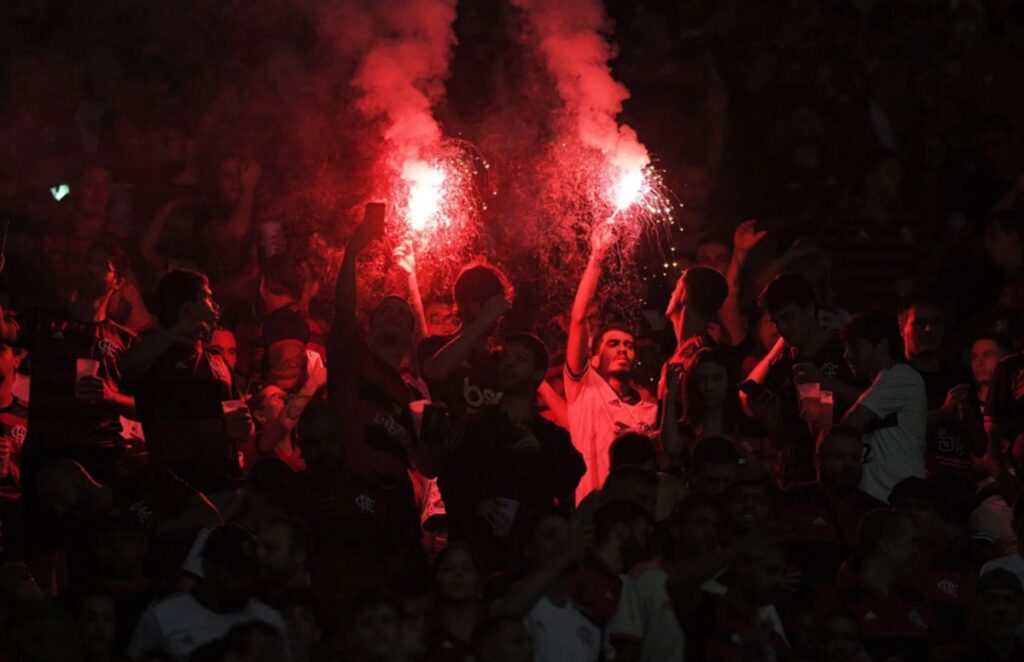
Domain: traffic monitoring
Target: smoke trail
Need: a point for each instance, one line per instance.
(408, 46)
(568, 33)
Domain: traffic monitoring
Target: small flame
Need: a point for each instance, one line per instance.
(425, 191)
(631, 185)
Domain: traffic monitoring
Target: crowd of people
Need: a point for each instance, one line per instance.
(801, 443)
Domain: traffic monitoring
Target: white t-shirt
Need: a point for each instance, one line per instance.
(562, 634)
(179, 624)
(645, 614)
(897, 451)
(596, 416)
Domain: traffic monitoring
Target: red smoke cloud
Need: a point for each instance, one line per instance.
(568, 33)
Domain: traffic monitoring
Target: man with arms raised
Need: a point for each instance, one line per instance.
(603, 402)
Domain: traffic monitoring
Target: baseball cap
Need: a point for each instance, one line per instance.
(999, 579)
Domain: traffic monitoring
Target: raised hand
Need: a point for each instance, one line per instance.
(602, 239)
(370, 229)
(250, 174)
(746, 237)
(405, 257)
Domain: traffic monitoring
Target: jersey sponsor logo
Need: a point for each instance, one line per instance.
(366, 503)
(584, 634)
(57, 335)
(917, 619)
(829, 368)
(949, 587)
(141, 510)
(391, 426)
(477, 397)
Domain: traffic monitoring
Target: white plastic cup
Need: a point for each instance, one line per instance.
(509, 507)
(826, 403)
(810, 396)
(231, 406)
(86, 368)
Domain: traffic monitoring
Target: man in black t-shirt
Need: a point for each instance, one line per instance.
(186, 401)
(462, 370)
(811, 354)
(76, 397)
(508, 464)
(954, 422)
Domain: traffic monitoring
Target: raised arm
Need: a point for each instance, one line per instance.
(405, 256)
(744, 239)
(577, 352)
(447, 360)
(343, 329)
(241, 218)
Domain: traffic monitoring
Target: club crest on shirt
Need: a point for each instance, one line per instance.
(108, 348)
(17, 433)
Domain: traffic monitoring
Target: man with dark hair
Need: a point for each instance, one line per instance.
(285, 550)
(223, 598)
(714, 251)
(559, 628)
(713, 466)
(896, 619)
(372, 399)
(507, 462)
(955, 432)
(892, 413)
(461, 370)
(64, 248)
(76, 399)
(183, 392)
(602, 398)
(811, 354)
(825, 516)
(693, 308)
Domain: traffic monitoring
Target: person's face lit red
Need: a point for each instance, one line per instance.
(92, 196)
(712, 382)
(715, 255)
(223, 343)
(9, 361)
(923, 330)
(860, 355)
(516, 369)
(985, 355)
(442, 320)
(229, 180)
(616, 354)
(97, 274)
(839, 639)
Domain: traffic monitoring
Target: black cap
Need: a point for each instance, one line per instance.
(233, 546)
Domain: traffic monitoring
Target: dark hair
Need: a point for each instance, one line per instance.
(785, 289)
(394, 297)
(548, 513)
(305, 598)
(1001, 340)
(611, 514)
(876, 326)
(624, 475)
(691, 396)
(175, 289)
(631, 448)
(706, 290)
(534, 344)
(714, 238)
(477, 283)
(284, 275)
(713, 450)
(113, 252)
(595, 342)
